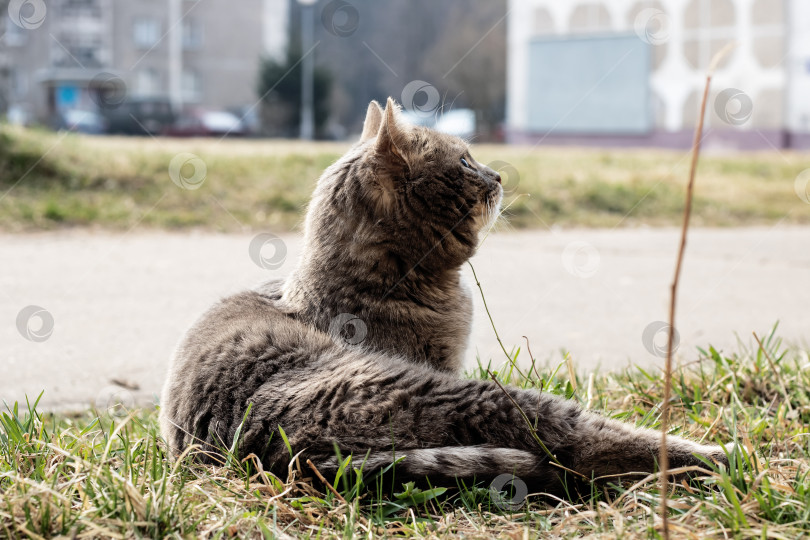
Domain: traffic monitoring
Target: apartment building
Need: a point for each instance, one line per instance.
(61, 53)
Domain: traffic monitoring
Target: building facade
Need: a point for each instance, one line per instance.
(630, 72)
(60, 54)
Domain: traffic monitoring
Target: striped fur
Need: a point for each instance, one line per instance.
(387, 230)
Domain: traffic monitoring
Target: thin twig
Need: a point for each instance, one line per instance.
(534, 364)
(536, 437)
(486, 308)
(663, 459)
(322, 479)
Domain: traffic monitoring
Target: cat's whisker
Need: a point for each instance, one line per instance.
(455, 98)
(444, 104)
(500, 215)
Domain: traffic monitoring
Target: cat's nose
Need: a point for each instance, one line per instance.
(490, 174)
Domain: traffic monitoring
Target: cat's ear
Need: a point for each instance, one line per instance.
(371, 125)
(393, 134)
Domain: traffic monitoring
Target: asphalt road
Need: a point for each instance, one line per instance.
(115, 305)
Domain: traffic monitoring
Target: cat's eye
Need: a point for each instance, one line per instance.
(466, 163)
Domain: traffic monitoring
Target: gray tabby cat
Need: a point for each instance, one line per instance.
(387, 230)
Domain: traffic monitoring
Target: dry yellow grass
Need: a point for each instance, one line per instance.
(51, 180)
(105, 473)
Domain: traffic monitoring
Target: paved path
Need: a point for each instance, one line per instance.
(120, 302)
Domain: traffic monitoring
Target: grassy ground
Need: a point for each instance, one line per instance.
(105, 474)
(51, 180)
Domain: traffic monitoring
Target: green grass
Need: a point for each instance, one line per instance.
(51, 180)
(105, 473)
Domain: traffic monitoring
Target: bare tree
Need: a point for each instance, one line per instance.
(459, 46)
(469, 61)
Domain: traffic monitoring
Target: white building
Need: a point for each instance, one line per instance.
(630, 72)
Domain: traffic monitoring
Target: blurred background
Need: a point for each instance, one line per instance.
(156, 155)
(516, 71)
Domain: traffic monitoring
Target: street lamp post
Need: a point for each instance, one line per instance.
(176, 55)
(307, 69)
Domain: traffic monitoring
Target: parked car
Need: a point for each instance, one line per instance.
(251, 119)
(458, 122)
(80, 121)
(202, 123)
(419, 118)
(145, 116)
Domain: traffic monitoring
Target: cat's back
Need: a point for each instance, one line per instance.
(242, 344)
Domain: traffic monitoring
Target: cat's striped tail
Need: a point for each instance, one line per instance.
(480, 462)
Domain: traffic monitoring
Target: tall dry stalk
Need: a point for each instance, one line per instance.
(663, 459)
